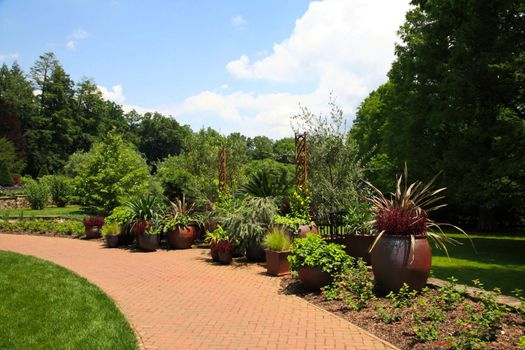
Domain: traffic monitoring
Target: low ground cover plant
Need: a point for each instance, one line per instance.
(62, 227)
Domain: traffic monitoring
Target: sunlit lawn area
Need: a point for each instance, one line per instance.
(44, 306)
(68, 212)
(498, 262)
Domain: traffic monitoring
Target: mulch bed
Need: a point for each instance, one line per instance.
(399, 333)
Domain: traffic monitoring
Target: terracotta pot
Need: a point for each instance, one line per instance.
(112, 241)
(277, 262)
(394, 263)
(125, 239)
(255, 253)
(148, 242)
(92, 232)
(313, 278)
(304, 229)
(214, 253)
(225, 258)
(358, 246)
(181, 237)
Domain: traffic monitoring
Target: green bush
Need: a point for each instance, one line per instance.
(37, 193)
(60, 188)
(277, 240)
(110, 229)
(314, 251)
(65, 227)
(5, 176)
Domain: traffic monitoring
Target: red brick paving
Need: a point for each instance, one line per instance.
(179, 300)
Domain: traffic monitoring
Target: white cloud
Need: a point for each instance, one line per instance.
(8, 57)
(238, 21)
(115, 94)
(73, 39)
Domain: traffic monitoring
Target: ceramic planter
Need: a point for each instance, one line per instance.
(214, 252)
(394, 263)
(112, 241)
(255, 253)
(304, 229)
(92, 232)
(277, 262)
(314, 278)
(357, 246)
(225, 258)
(125, 238)
(181, 237)
(148, 242)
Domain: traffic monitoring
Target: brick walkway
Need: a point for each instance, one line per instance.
(179, 300)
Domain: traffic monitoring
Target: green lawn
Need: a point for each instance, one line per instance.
(74, 212)
(499, 261)
(44, 306)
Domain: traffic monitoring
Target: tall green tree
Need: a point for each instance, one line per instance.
(260, 147)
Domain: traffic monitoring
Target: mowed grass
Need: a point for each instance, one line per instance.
(499, 261)
(44, 306)
(73, 212)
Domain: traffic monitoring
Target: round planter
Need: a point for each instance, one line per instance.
(304, 229)
(148, 242)
(225, 258)
(313, 278)
(255, 253)
(393, 262)
(112, 241)
(277, 262)
(214, 253)
(126, 239)
(357, 246)
(181, 237)
(92, 232)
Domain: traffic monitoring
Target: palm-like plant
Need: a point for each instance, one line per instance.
(146, 209)
(266, 183)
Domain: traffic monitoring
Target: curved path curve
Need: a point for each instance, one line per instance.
(179, 300)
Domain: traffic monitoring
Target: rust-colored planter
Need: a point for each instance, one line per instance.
(148, 242)
(112, 241)
(394, 264)
(304, 229)
(92, 232)
(277, 262)
(214, 252)
(225, 258)
(358, 246)
(181, 237)
(314, 278)
(255, 253)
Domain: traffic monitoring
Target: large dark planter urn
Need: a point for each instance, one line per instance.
(358, 246)
(255, 253)
(182, 237)
(393, 262)
(148, 242)
(112, 241)
(92, 232)
(214, 252)
(277, 262)
(314, 278)
(304, 229)
(125, 238)
(225, 258)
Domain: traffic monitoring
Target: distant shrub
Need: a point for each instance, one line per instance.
(37, 193)
(60, 188)
(5, 176)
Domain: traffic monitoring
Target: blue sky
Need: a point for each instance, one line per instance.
(233, 65)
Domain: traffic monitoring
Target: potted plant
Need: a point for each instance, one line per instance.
(111, 231)
(317, 261)
(179, 225)
(224, 251)
(124, 217)
(401, 252)
(92, 225)
(277, 244)
(145, 225)
(212, 238)
(359, 235)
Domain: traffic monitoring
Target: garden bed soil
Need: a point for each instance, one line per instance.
(399, 333)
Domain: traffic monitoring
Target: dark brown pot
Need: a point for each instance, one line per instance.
(358, 246)
(92, 232)
(393, 263)
(148, 242)
(277, 262)
(313, 278)
(125, 239)
(225, 258)
(214, 253)
(255, 253)
(181, 237)
(304, 229)
(112, 241)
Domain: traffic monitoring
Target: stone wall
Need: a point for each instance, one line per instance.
(14, 202)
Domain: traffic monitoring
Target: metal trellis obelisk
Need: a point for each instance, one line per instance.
(301, 163)
(223, 156)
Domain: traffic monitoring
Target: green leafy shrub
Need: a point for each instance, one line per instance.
(358, 218)
(60, 188)
(265, 183)
(277, 240)
(290, 223)
(123, 216)
(63, 227)
(37, 193)
(314, 251)
(300, 202)
(180, 215)
(5, 176)
(216, 235)
(110, 229)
